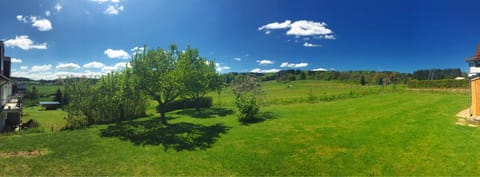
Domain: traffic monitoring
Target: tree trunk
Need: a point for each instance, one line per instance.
(162, 110)
(163, 118)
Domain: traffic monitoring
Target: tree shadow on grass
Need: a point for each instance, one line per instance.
(263, 116)
(179, 136)
(205, 112)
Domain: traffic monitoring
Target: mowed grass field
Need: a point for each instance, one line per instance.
(401, 133)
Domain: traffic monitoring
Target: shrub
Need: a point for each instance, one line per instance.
(445, 83)
(247, 91)
(248, 107)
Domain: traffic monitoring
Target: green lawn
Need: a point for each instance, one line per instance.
(402, 133)
(48, 119)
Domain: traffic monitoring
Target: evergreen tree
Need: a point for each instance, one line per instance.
(362, 80)
(58, 96)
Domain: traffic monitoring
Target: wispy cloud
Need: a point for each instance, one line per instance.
(113, 6)
(220, 68)
(258, 70)
(40, 23)
(113, 9)
(41, 68)
(275, 25)
(94, 64)
(264, 62)
(237, 59)
(23, 42)
(100, 1)
(137, 50)
(67, 66)
(306, 44)
(319, 69)
(293, 65)
(58, 7)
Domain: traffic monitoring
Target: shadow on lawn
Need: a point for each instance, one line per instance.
(179, 136)
(205, 112)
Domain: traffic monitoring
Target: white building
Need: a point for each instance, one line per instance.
(474, 63)
(5, 87)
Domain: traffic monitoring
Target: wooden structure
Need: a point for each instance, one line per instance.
(474, 75)
(475, 86)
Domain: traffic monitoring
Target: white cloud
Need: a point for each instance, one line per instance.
(107, 69)
(319, 69)
(16, 60)
(275, 25)
(22, 18)
(58, 7)
(41, 24)
(237, 59)
(306, 44)
(67, 66)
(137, 50)
(122, 65)
(24, 67)
(115, 1)
(332, 37)
(47, 13)
(293, 65)
(37, 22)
(113, 10)
(116, 67)
(94, 64)
(264, 62)
(309, 28)
(121, 54)
(24, 43)
(41, 68)
(258, 70)
(99, 1)
(301, 28)
(220, 68)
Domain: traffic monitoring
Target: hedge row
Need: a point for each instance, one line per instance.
(445, 83)
(204, 102)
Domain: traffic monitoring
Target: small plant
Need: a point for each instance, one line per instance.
(248, 92)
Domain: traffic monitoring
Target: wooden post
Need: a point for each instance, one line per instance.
(475, 86)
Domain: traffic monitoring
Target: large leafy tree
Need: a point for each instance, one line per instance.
(198, 75)
(156, 74)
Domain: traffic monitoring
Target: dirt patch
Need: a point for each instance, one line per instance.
(465, 119)
(34, 153)
(464, 114)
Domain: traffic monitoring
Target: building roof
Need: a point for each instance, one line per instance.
(49, 102)
(477, 54)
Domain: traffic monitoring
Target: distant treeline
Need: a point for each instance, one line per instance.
(369, 77)
(437, 74)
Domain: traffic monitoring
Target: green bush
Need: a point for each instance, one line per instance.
(248, 107)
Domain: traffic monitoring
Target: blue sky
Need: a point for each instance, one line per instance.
(55, 38)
